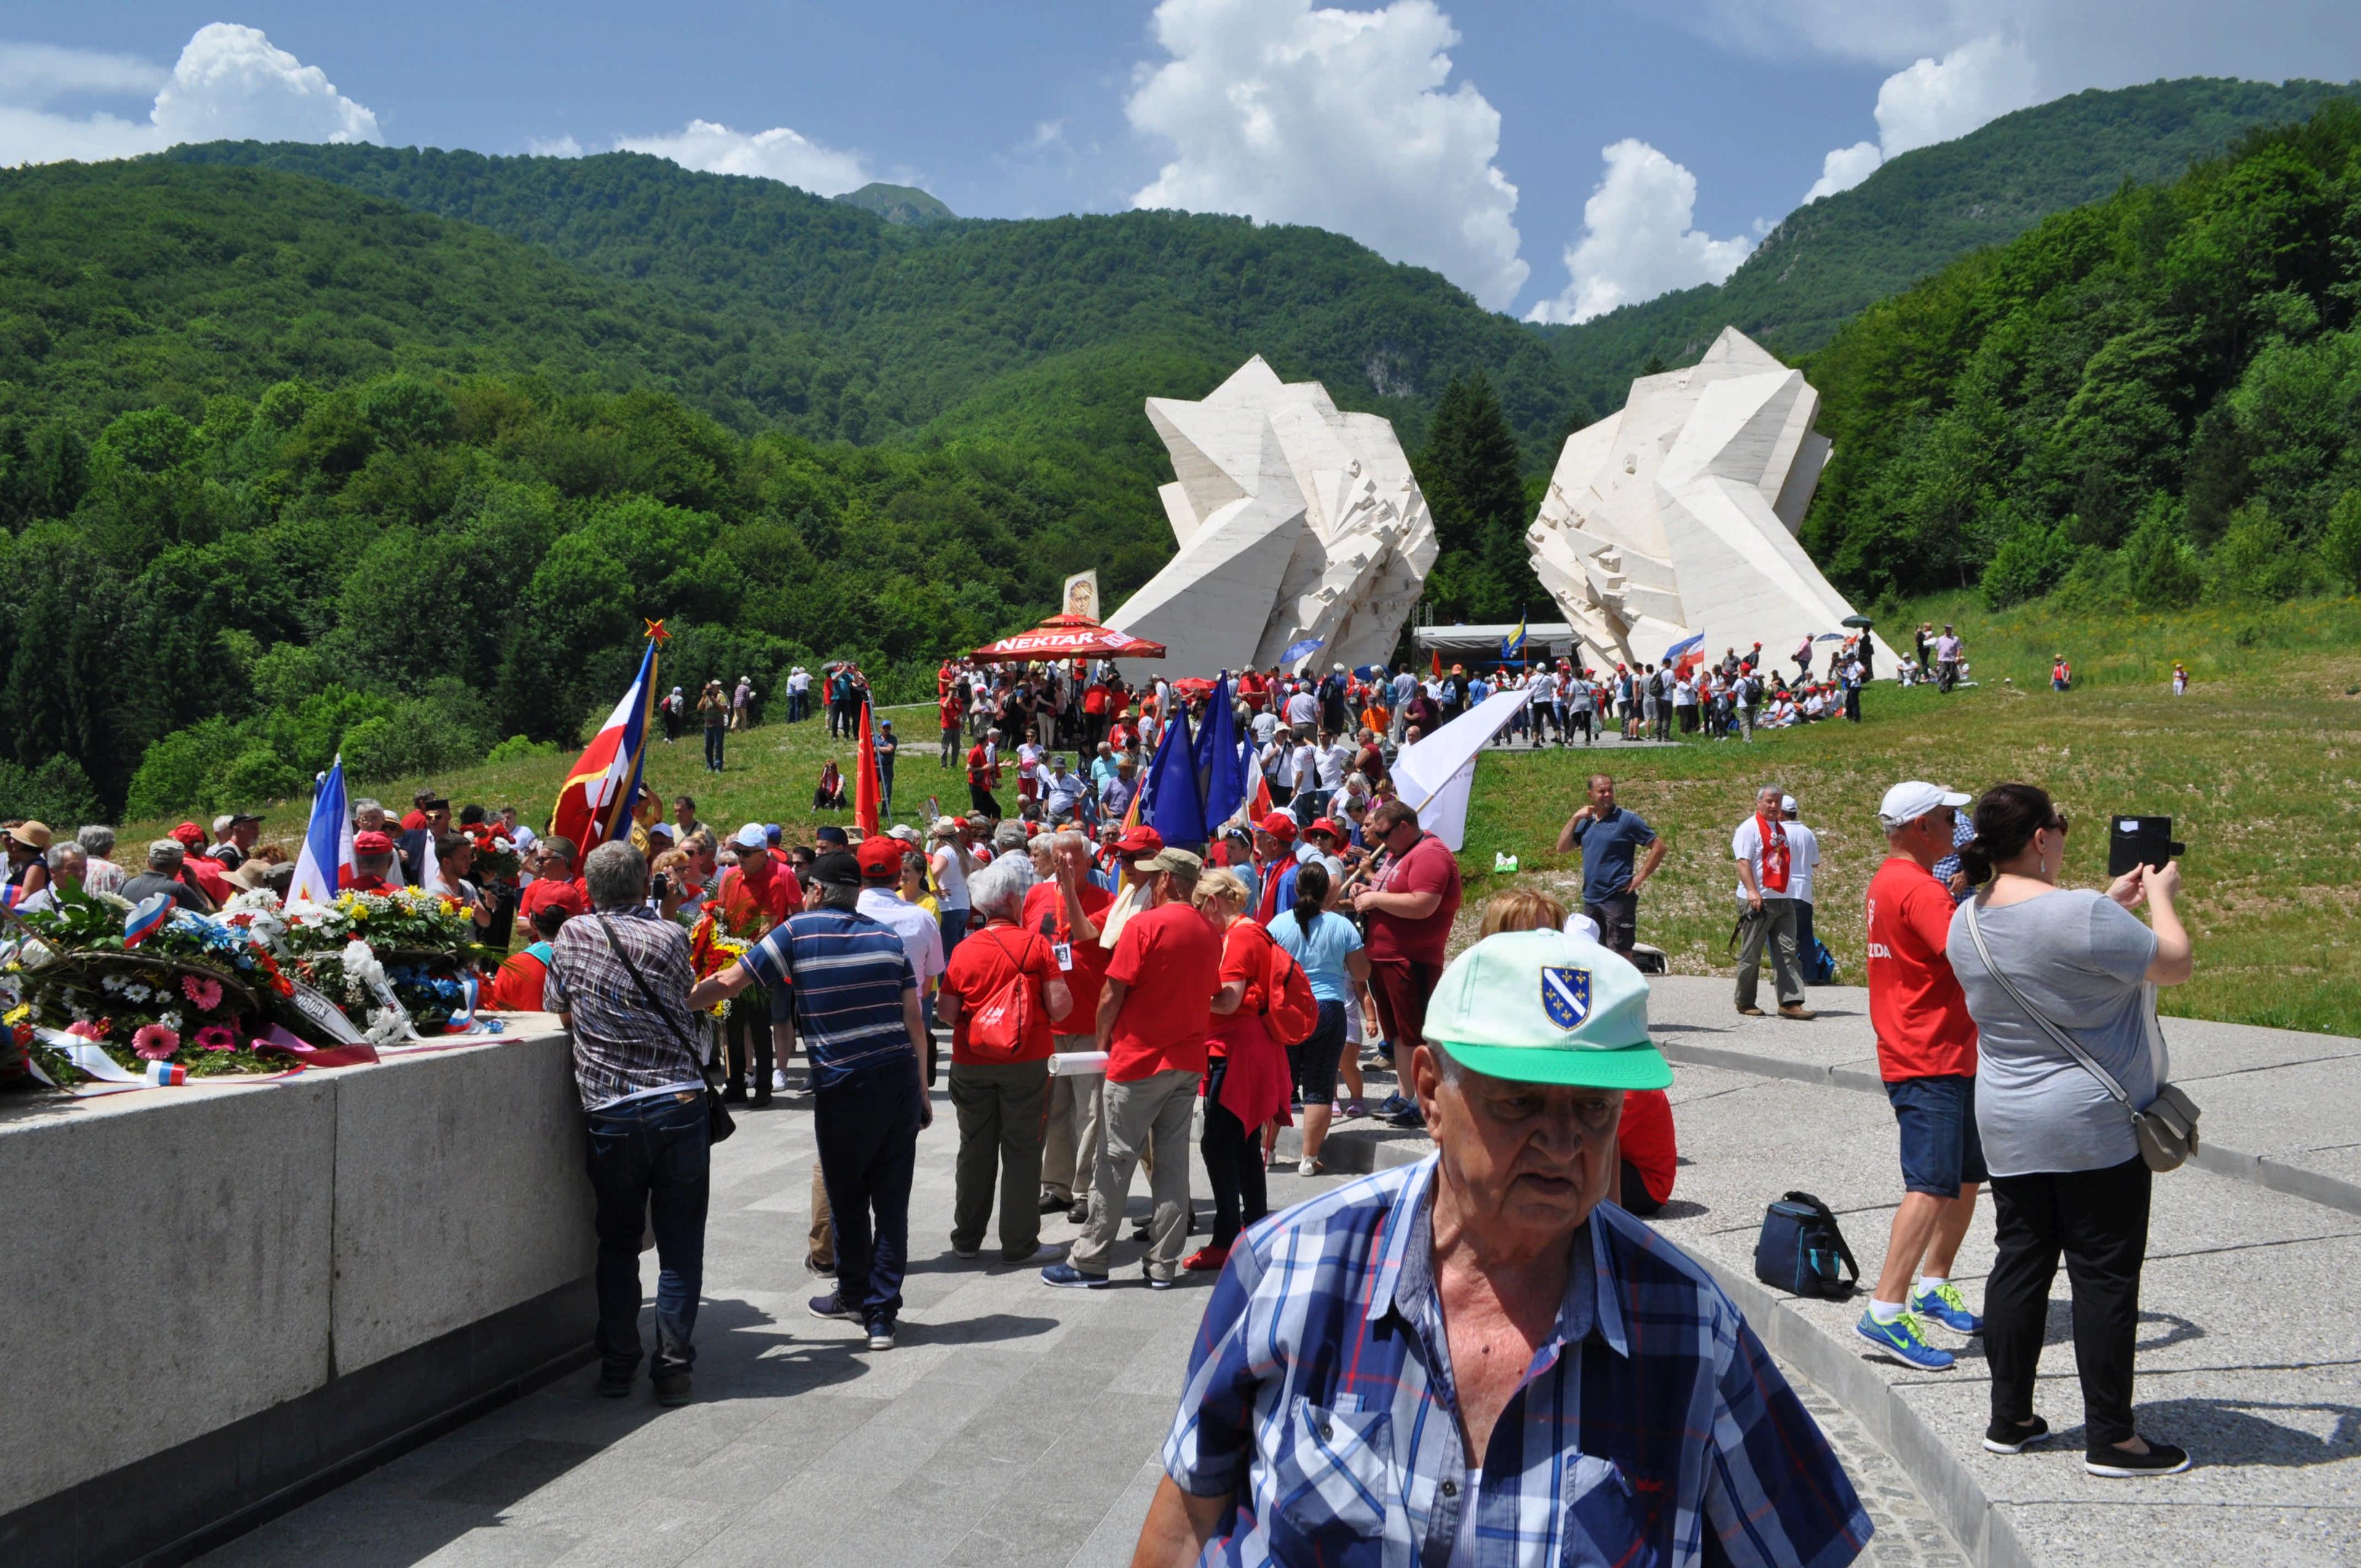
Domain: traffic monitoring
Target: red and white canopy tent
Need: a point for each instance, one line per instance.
(1068, 637)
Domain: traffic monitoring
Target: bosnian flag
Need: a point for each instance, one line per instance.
(325, 861)
(596, 803)
(147, 920)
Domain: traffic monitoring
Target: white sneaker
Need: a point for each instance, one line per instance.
(778, 1078)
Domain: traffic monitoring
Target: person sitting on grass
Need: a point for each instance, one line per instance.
(830, 795)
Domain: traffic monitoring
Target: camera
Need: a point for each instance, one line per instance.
(2140, 841)
(663, 888)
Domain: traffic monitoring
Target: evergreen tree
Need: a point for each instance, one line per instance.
(1469, 472)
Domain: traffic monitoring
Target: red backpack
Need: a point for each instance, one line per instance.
(1289, 1011)
(997, 1026)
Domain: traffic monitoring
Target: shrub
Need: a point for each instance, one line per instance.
(2255, 563)
(2340, 541)
(58, 793)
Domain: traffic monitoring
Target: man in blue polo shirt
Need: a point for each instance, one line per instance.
(1613, 841)
(855, 1001)
(1477, 1358)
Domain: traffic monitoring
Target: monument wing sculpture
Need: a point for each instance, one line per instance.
(1298, 523)
(1676, 517)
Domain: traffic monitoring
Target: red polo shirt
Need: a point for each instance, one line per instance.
(1171, 957)
(1914, 1000)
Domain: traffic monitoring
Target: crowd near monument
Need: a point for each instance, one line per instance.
(1243, 902)
(1676, 516)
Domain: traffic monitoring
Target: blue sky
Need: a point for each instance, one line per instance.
(1647, 145)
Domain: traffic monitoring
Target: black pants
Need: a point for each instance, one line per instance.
(1635, 1193)
(1232, 1157)
(746, 1044)
(650, 1161)
(1853, 704)
(2098, 1219)
(868, 1136)
(1618, 920)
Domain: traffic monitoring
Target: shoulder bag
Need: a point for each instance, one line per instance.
(2166, 1128)
(719, 1124)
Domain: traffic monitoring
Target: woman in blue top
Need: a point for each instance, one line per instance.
(1328, 948)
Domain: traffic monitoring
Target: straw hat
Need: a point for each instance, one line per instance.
(32, 835)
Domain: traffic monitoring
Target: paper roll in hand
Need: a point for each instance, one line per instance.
(1077, 1064)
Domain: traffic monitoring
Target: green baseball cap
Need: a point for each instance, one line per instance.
(1547, 1007)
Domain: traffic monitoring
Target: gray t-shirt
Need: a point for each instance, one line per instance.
(2078, 957)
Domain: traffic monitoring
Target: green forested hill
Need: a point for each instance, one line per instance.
(894, 326)
(1829, 261)
(128, 285)
(2151, 399)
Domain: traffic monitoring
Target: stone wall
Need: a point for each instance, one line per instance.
(319, 1264)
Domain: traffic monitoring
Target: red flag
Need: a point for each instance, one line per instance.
(1434, 658)
(866, 787)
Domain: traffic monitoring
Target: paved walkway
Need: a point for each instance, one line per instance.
(1013, 1424)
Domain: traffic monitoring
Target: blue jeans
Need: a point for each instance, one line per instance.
(867, 1129)
(954, 924)
(714, 735)
(650, 1158)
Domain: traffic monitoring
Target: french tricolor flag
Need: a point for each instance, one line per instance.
(325, 862)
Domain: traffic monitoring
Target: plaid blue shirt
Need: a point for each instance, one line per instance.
(1653, 1429)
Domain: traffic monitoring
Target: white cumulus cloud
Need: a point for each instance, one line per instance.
(1934, 100)
(1337, 118)
(780, 154)
(229, 83)
(1639, 238)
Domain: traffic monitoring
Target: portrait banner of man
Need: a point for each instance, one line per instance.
(1082, 597)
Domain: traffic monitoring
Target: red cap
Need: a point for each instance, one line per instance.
(1279, 825)
(1325, 825)
(881, 856)
(189, 836)
(1141, 841)
(365, 844)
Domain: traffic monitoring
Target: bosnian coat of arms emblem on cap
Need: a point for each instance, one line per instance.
(1566, 995)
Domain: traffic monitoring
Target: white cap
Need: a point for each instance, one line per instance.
(752, 836)
(1907, 802)
(1787, 806)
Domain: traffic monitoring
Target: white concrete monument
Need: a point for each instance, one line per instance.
(1298, 523)
(1676, 517)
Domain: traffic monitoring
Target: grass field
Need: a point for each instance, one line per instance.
(2256, 765)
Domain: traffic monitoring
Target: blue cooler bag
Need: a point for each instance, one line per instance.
(1800, 1250)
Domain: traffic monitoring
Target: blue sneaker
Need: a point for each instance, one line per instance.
(1392, 1105)
(1948, 1307)
(1903, 1337)
(1067, 1276)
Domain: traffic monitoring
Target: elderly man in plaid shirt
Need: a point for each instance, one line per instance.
(1476, 1360)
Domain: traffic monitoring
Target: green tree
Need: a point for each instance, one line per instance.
(2340, 543)
(1470, 474)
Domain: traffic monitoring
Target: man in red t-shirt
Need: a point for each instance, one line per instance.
(1926, 1055)
(997, 1091)
(1408, 915)
(1065, 910)
(1154, 1014)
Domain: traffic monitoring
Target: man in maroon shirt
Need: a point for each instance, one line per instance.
(1408, 914)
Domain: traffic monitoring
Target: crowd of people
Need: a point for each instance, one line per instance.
(1092, 997)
